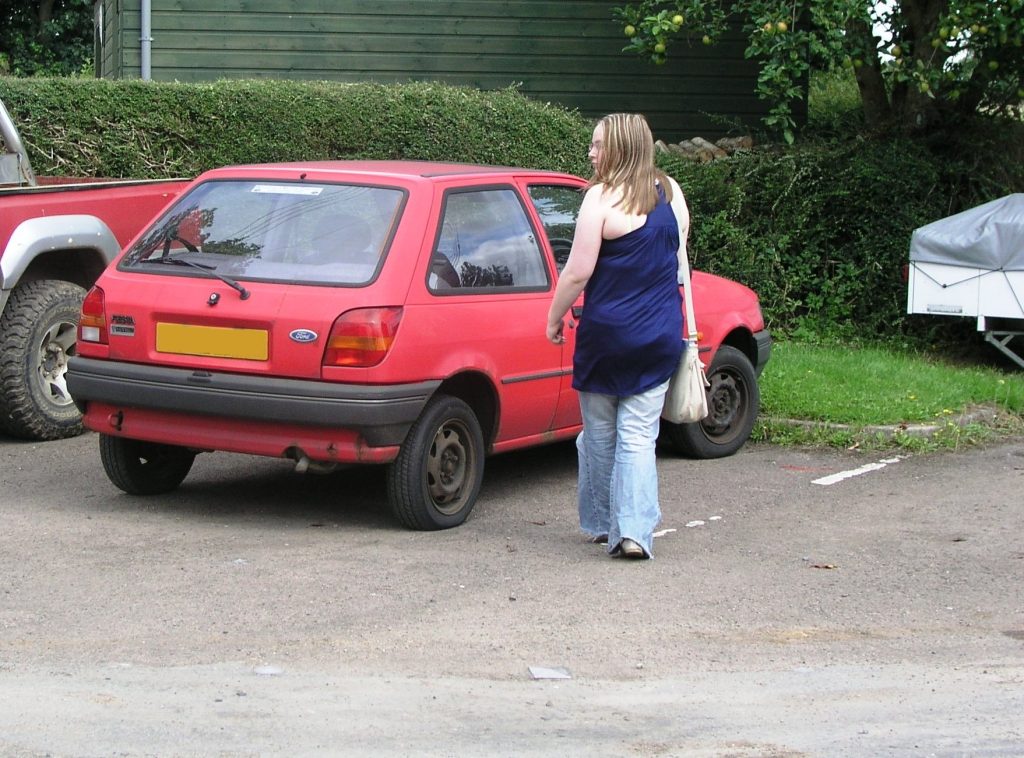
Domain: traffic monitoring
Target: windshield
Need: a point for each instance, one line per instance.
(273, 231)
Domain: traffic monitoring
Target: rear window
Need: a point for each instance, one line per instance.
(273, 231)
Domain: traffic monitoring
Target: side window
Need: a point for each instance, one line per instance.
(486, 241)
(558, 208)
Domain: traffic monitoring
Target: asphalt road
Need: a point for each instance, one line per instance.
(792, 609)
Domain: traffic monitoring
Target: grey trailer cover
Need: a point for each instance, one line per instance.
(990, 236)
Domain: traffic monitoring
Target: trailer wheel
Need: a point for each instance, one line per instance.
(38, 333)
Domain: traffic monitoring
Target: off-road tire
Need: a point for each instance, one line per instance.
(144, 468)
(434, 482)
(38, 333)
(734, 400)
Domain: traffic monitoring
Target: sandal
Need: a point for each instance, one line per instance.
(630, 549)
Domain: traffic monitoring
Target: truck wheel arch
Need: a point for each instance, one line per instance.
(74, 248)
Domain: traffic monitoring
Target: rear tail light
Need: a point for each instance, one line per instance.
(92, 325)
(362, 337)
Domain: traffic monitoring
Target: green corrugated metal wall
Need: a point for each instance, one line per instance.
(567, 52)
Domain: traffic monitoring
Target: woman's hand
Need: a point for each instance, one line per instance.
(556, 332)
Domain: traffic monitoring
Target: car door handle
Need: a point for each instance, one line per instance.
(577, 311)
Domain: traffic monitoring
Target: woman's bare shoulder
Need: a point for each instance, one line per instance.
(605, 194)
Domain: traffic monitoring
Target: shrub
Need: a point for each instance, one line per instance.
(834, 107)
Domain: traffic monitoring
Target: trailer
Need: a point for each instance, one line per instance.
(972, 265)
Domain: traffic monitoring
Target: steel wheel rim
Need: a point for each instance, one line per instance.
(726, 404)
(449, 463)
(56, 346)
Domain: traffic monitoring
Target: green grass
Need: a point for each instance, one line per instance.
(868, 395)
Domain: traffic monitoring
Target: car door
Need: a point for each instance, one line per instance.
(485, 303)
(557, 205)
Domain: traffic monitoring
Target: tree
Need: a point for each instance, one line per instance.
(45, 37)
(919, 64)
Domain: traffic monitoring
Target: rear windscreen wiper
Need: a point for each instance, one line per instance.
(170, 260)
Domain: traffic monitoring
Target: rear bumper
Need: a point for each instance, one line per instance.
(379, 415)
(763, 350)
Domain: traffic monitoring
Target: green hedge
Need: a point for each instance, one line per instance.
(89, 127)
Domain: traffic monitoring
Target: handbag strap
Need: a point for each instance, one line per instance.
(691, 322)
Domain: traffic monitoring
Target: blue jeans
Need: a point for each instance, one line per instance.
(618, 481)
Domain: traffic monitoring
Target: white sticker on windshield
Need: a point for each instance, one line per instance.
(286, 189)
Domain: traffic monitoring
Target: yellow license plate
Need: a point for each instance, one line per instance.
(215, 341)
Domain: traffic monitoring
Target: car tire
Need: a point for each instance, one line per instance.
(734, 400)
(144, 468)
(434, 481)
(38, 333)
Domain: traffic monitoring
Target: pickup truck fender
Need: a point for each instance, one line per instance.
(38, 237)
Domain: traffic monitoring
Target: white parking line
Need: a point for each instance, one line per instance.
(866, 468)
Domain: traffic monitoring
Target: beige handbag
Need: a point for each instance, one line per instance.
(686, 400)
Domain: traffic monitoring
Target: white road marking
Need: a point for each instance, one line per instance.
(866, 468)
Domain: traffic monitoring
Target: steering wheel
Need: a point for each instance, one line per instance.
(560, 247)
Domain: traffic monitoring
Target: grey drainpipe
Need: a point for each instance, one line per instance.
(146, 38)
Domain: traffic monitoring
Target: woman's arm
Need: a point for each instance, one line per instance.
(682, 214)
(586, 244)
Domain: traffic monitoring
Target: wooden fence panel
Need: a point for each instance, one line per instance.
(564, 52)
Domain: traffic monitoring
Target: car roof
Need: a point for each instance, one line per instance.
(407, 169)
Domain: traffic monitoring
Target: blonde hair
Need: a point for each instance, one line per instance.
(627, 163)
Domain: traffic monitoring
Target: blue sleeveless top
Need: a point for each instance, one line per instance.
(630, 335)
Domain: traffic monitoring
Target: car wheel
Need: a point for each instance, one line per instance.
(144, 468)
(734, 401)
(38, 333)
(435, 480)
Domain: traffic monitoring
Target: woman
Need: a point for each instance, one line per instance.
(625, 257)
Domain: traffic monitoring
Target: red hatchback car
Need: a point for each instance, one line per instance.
(363, 312)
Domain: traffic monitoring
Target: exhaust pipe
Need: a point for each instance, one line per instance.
(303, 465)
